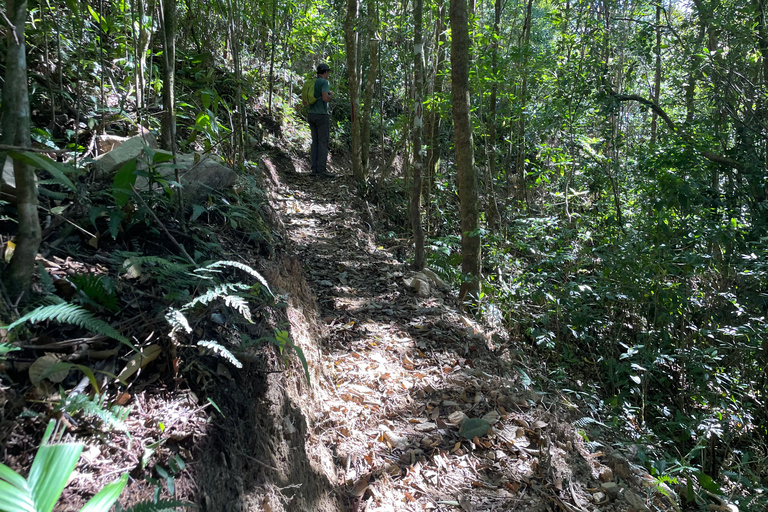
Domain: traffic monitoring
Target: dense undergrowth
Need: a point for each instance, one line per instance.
(658, 326)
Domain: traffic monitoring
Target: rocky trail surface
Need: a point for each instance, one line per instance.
(419, 405)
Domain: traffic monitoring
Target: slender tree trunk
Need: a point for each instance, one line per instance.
(145, 36)
(272, 55)
(373, 70)
(493, 210)
(657, 76)
(465, 160)
(520, 136)
(234, 36)
(350, 40)
(433, 118)
(168, 124)
(418, 127)
(16, 132)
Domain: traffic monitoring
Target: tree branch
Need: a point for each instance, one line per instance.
(709, 155)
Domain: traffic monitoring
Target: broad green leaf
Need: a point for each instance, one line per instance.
(124, 179)
(14, 498)
(708, 483)
(56, 169)
(474, 427)
(106, 497)
(51, 469)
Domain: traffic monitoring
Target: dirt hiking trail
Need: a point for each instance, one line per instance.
(413, 402)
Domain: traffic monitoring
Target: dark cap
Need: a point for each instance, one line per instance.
(322, 68)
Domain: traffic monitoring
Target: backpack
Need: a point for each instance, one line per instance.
(308, 92)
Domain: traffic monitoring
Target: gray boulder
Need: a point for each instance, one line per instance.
(198, 179)
(124, 151)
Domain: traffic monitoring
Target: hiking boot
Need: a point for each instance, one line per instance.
(323, 174)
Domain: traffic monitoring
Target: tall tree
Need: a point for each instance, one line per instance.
(351, 42)
(373, 71)
(418, 128)
(493, 210)
(16, 132)
(433, 114)
(465, 158)
(168, 21)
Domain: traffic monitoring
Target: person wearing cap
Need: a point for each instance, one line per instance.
(320, 122)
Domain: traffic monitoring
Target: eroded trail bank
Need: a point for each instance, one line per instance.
(419, 408)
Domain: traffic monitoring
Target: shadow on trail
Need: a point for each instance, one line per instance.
(403, 374)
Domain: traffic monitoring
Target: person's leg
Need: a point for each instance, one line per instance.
(313, 150)
(323, 128)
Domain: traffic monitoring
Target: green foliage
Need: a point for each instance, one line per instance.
(5, 348)
(158, 506)
(282, 340)
(70, 314)
(97, 291)
(51, 468)
(112, 416)
(220, 351)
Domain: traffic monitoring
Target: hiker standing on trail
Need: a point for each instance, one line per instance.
(320, 122)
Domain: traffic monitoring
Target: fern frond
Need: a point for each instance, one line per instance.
(113, 417)
(220, 291)
(97, 289)
(159, 506)
(67, 313)
(240, 305)
(586, 420)
(178, 321)
(46, 281)
(213, 267)
(220, 351)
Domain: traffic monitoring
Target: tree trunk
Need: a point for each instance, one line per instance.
(373, 70)
(465, 159)
(433, 118)
(493, 210)
(350, 40)
(657, 76)
(16, 132)
(520, 149)
(418, 126)
(168, 124)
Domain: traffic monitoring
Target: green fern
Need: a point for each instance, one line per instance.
(166, 270)
(158, 506)
(178, 321)
(96, 290)
(96, 407)
(220, 351)
(215, 267)
(46, 281)
(223, 291)
(586, 420)
(71, 314)
(6, 348)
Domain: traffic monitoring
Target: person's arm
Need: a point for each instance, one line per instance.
(327, 96)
